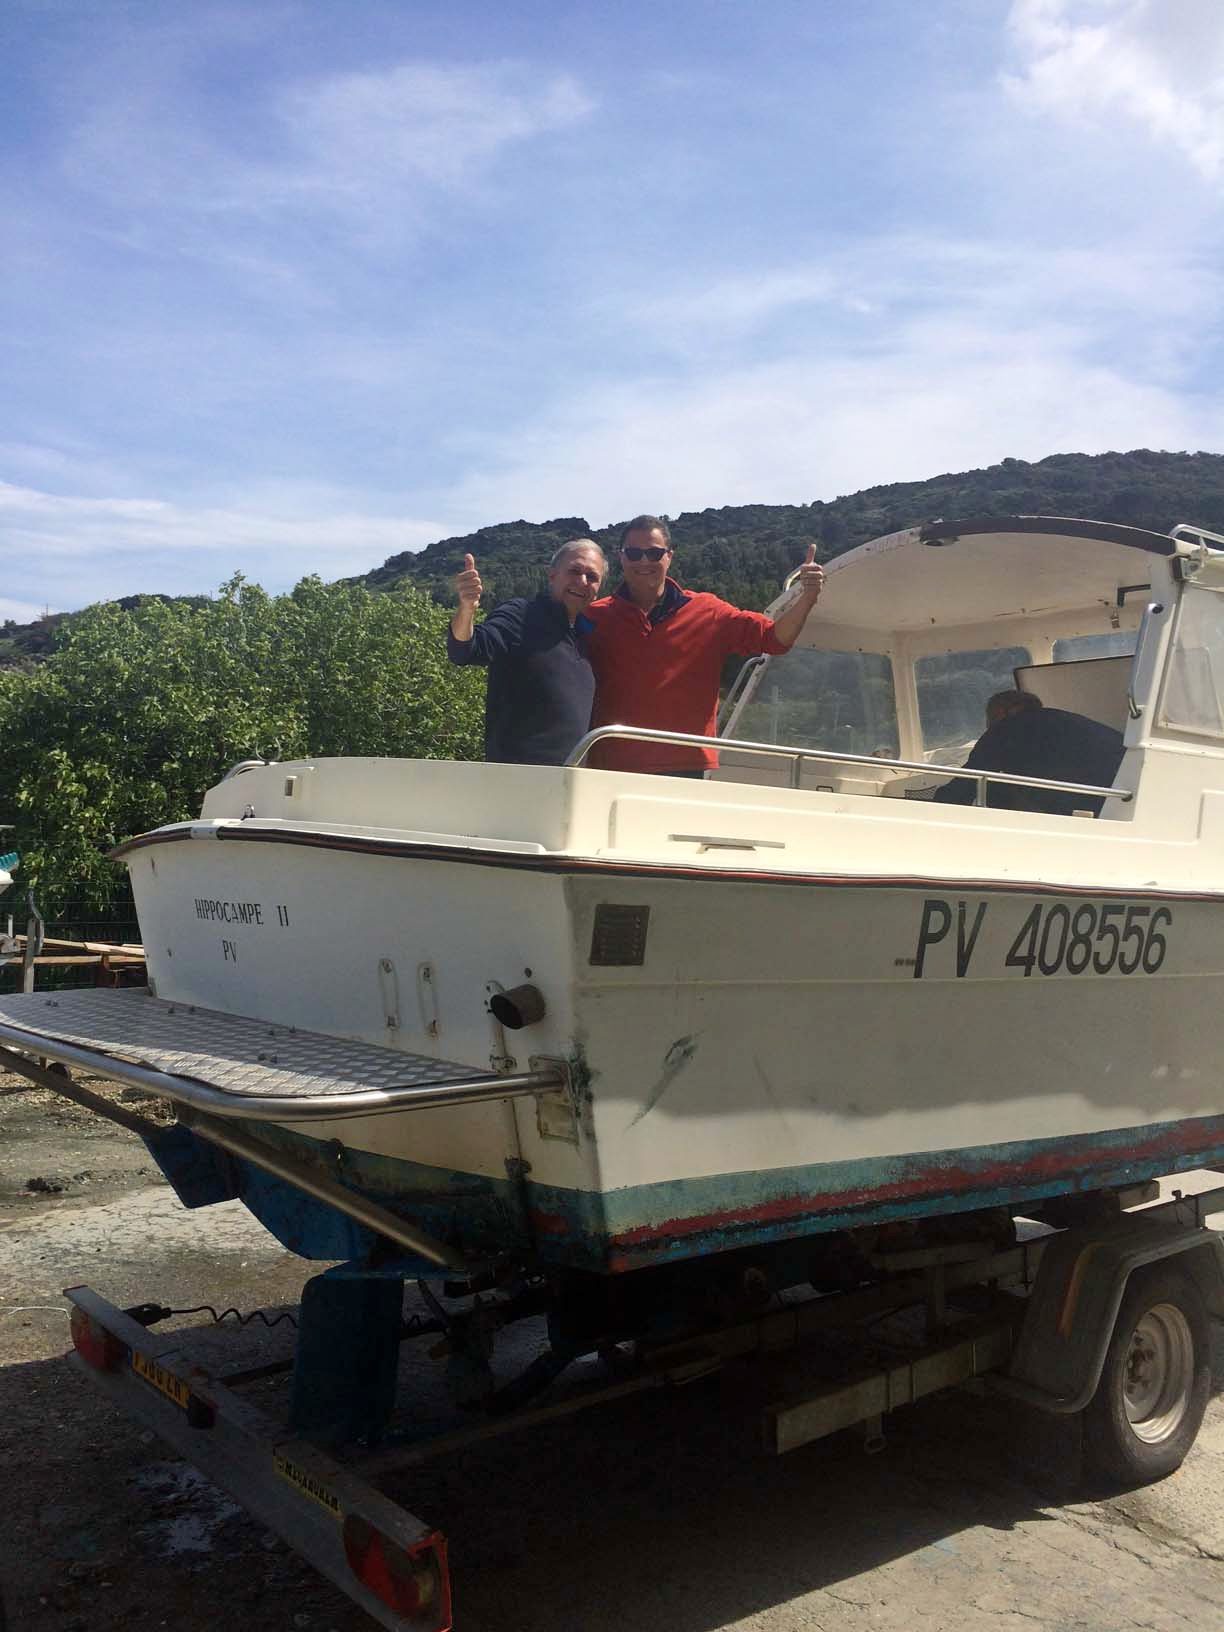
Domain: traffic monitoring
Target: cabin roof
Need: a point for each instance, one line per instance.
(1108, 532)
(984, 568)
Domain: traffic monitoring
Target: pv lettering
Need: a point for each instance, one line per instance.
(936, 926)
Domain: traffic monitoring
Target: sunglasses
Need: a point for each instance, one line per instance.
(634, 552)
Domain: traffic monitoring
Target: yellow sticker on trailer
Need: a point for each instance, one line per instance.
(308, 1484)
(174, 1388)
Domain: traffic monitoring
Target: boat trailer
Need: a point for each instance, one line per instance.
(1105, 1321)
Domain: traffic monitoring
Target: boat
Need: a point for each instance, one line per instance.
(601, 1022)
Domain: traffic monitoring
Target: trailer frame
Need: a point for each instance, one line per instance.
(1035, 1319)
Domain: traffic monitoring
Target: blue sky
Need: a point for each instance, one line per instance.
(289, 287)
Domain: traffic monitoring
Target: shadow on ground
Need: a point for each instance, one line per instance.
(656, 1512)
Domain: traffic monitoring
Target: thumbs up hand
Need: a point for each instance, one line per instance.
(468, 586)
(810, 581)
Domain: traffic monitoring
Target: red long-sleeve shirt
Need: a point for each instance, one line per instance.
(662, 672)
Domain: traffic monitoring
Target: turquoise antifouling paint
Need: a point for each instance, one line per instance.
(676, 1219)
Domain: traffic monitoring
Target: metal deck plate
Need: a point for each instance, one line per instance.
(226, 1051)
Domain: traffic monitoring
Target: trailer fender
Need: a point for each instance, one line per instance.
(1069, 1318)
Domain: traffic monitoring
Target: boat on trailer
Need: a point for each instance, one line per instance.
(633, 1054)
(602, 1021)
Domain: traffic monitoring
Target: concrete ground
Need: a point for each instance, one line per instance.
(653, 1515)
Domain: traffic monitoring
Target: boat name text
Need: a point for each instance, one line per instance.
(1056, 938)
(229, 912)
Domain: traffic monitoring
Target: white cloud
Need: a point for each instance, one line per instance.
(22, 611)
(798, 431)
(964, 354)
(369, 146)
(1155, 63)
(375, 131)
(1149, 304)
(93, 548)
(732, 305)
(967, 355)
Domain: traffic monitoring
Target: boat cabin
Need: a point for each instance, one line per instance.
(917, 630)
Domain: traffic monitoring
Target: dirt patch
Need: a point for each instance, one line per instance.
(54, 1153)
(101, 1529)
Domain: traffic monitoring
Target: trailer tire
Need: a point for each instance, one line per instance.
(1149, 1403)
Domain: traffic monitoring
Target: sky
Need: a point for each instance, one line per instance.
(289, 286)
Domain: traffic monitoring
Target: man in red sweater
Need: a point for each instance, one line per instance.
(658, 651)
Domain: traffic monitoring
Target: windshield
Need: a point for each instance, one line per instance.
(953, 690)
(1074, 648)
(840, 701)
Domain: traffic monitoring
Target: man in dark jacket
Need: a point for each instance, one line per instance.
(541, 686)
(1027, 739)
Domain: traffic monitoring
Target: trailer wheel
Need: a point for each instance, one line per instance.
(1149, 1403)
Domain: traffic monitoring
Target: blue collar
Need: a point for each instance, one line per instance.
(672, 598)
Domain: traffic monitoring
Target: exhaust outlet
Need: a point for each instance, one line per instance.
(520, 1006)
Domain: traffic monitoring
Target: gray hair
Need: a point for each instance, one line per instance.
(578, 544)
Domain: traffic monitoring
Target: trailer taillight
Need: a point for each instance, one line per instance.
(413, 1582)
(95, 1345)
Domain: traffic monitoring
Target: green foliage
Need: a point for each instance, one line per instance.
(116, 719)
(743, 552)
(140, 710)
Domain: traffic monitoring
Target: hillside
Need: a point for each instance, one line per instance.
(742, 552)
(24, 644)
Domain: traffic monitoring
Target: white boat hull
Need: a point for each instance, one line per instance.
(795, 1053)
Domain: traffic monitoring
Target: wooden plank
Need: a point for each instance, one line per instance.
(133, 947)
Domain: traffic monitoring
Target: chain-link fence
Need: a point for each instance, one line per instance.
(113, 923)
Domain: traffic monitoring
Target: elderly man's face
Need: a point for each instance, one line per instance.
(636, 561)
(575, 580)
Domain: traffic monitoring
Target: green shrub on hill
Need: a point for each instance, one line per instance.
(743, 552)
(140, 710)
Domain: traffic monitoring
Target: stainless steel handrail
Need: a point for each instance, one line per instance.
(738, 684)
(284, 1166)
(1153, 609)
(1185, 532)
(797, 756)
(202, 1096)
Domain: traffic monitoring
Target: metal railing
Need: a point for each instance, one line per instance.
(1134, 684)
(737, 685)
(244, 765)
(203, 1096)
(828, 756)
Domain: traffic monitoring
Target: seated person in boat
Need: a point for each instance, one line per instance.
(541, 684)
(1027, 739)
(658, 652)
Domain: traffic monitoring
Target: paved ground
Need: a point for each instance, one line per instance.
(652, 1516)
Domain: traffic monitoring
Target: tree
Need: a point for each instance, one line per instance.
(140, 710)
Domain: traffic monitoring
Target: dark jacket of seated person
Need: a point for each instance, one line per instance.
(1026, 739)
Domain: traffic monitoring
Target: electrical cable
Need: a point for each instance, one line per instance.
(148, 1314)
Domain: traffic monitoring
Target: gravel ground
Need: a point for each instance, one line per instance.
(654, 1515)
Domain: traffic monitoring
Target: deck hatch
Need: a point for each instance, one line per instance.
(618, 939)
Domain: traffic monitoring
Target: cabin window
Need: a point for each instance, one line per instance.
(1075, 648)
(954, 688)
(1194, 690)
(840, 701)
